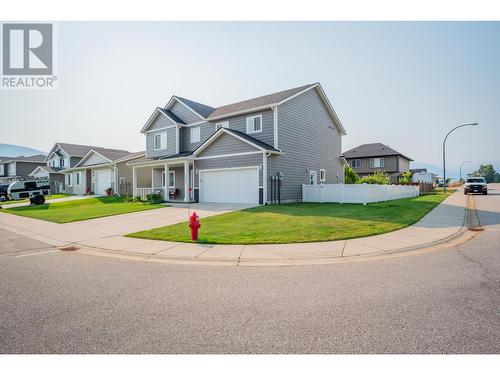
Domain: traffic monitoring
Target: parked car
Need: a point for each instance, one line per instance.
(476, 185)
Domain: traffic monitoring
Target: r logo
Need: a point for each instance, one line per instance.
(27, 49)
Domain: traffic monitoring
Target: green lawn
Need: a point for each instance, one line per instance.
(81, 209)
(53, 196)
(302, 222)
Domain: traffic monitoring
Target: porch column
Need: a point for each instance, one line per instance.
(134, 182)
(186, 181)
(166, 182)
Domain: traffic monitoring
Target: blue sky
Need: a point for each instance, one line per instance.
(403, 84)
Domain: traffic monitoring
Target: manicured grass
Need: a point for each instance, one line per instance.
(53, 196)
(81, 209)
(302, 222)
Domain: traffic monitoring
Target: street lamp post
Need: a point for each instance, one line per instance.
(461, 165)
(444, 150)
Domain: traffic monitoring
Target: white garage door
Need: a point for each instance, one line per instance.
(230, 185)
(102, 181)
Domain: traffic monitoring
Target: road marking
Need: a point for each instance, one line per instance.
(38, 253)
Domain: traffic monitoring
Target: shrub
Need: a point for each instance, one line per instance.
(378, 178)
(137, 199)
(128, 199)
(350, 177)
(154, 198)
(406, 177)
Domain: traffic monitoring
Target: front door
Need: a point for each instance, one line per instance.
(313, 178)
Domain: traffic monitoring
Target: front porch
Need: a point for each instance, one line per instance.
(173, 180)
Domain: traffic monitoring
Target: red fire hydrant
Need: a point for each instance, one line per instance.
(194, 224)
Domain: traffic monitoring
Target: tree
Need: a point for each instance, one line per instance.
(379, 178)
(406, 177)
(350, 177)
(487, 171)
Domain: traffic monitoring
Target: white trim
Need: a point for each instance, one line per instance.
(171, 186)
(297, 94)
(186, 180)
(253, 131)
(87, 155)
(78, 178)
(222, 125)
(322, 171)
(226, 169)
(329, 106)
(134, 181)
(161, 129)
(153, 117)
(275, 125)
(177, 140)
(194, 124)
(229, 155)
(162, 147)
(198, 140)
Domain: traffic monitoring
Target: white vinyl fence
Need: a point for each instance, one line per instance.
(357, 193)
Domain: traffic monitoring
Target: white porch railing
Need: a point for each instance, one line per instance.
(143, 192)
(357, 193)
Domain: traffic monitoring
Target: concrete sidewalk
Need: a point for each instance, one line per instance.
(70, 198)
(103, 236)
(444, 223)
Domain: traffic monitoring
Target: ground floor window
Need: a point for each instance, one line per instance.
(68, 179)
(171, 179)
(322, 175)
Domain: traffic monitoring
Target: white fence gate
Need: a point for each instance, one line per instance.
(357, 193)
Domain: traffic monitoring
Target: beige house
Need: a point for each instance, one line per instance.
(370, 157)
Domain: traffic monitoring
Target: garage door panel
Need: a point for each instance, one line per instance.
(102, 181)
(230, 185)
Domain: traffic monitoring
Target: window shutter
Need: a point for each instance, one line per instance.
(249, 125)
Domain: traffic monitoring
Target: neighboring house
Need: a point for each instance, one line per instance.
(236, 152)
(101, 169)
(62, 160)
(19, 168)
(370, 157)
(426, 177)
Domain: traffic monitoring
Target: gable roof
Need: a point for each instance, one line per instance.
(261, 101)
(237, 134)
(47, 169)
(372, 150)
(76, 150)
(40, 158)
(109, 154)
(208, 113)
(165, 112)
(202, 109)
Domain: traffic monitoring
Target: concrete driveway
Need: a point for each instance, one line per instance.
(111, 226)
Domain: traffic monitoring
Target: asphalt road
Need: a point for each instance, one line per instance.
(446, 301)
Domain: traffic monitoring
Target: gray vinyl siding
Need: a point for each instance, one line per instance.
(78, 189)
(390, 165)
(206, 130)
(24, 169)
(229, 162)
(404, 164)
(226, 144)
(179, 180)
(184, 113)
(238, 123)
(310, 140)
(171, 144)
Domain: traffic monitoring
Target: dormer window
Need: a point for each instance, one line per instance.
(254, 124)
(62, 162)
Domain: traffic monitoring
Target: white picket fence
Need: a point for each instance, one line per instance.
(357, 193)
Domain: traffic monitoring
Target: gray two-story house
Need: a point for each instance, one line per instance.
(237, 153)
(370, 157)
(19, 168)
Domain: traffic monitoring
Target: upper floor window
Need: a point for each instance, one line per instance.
(219, 125)
(254, 124)
(62, 162)
(377, 163)
(356, 163)
(195, 135)
(12, 169)
(160, 141)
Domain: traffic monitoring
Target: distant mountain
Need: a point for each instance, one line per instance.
(14, 150)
